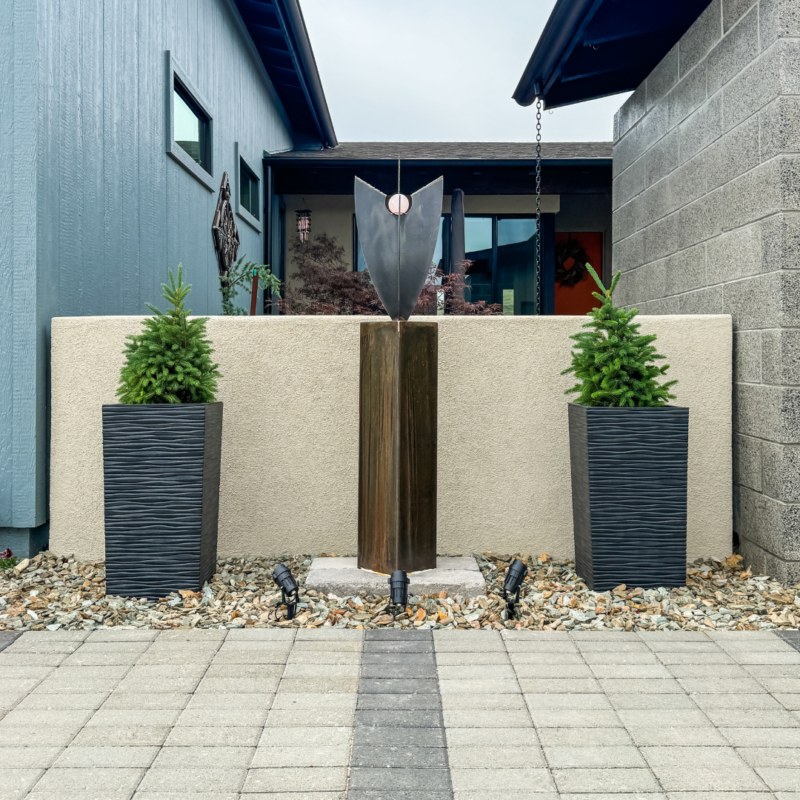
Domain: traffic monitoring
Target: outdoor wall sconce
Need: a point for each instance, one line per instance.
(289, 588)
(398, 588)
(513, 585)
(304, 224)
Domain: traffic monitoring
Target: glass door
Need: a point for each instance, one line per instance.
(479, 248)
(516, 265)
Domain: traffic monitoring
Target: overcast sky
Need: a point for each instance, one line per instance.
(438, 70)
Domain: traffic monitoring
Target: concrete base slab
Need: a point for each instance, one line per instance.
(341, 576)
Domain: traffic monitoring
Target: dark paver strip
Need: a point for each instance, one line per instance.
(399, 747)
(790, 637)
(6, 638)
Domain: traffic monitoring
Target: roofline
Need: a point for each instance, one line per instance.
(291, 17)
(565, 18)
(345, 162)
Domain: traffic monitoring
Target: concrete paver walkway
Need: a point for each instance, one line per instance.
(330, 714)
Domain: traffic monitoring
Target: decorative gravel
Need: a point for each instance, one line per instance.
(55, 592)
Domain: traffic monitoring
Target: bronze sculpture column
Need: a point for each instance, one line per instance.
(399, 387)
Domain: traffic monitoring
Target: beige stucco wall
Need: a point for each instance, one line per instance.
(290, 432)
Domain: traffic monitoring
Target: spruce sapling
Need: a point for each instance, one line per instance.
(170, 361)
(613, 362)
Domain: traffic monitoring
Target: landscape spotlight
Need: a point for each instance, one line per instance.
(398, 588)
(513, 584)
(289, 589)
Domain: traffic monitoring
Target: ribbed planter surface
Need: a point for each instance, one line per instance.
(161, 466)
(629, 482)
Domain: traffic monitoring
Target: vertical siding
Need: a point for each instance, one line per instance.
(92, 209)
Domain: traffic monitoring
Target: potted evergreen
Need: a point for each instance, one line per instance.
(628, 453)
(161, 457)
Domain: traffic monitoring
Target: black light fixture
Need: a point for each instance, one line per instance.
(289, 589)
(513, 584)
(398, 588)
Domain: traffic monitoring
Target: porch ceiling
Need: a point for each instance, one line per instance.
(595, 48)
(479, 168)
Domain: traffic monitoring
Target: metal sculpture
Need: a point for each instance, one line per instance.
(398, 390)
(224, 231)
(398, 247)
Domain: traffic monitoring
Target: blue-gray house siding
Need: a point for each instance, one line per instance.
(92, 209)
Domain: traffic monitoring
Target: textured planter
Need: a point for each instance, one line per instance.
(161, 467)
(629, 469)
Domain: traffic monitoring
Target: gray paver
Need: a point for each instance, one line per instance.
(14, 782)
(323, 779)
(86, 779)
(401, 702)
(587, 756)
(28, 757)
(393, 757)
(399, 737)
(213, 737)
(216, 757)
(533, 780)
(305, 737)
(222, 716)
(315, 757)
(721, 769)
(107, 757)
(399, 719)
(454, 718)
(605, 780)
(399, 779)
(192, 779)
(511, 757)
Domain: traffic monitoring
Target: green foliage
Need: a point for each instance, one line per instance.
(241, 277)
(7, 560)
(170, 361)
(613, 361)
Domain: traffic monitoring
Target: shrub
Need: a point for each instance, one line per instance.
(613, 361)
(241, 277)
(170, 361)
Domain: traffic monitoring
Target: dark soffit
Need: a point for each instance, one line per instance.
(596, 48)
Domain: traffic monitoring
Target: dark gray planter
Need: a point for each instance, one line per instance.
(629, 470)
(161, 467)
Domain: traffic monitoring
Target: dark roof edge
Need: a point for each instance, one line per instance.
(312, 85)
(564, 19)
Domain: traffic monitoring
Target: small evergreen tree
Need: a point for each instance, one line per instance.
(613, 361)
(170, 361)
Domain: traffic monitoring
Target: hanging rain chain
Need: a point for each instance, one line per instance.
(539, 204)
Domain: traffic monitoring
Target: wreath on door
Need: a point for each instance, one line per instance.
(571, 249)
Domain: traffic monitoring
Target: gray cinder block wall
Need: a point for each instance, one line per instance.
(706, 220)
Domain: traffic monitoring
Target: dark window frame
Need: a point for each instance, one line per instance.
(253, 220)
(178, 81)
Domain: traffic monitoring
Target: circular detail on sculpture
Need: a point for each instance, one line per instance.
(398, 204)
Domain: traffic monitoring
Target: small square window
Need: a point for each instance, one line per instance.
(248, 190)
(191, 128)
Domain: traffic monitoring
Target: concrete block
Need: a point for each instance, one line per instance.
(688, 95)
(626, 221)
(399, 737)
(688, 183)
(780, 242)
(662, 306)
(398, 781)
(779, 19)
(765, 563)
(655, 124)
(734, 153)
(781, 352)
(733, 10)
(341, 576)
(626, 150)
(629, 184)
(663, 157)
(781, 471)
(662, 238)
(734, 52)
(616, 127)
(747, 461)
(772, 525)
(757, 85)
(685, 270)
(703, 301)
(629, 253)
(747, 356)
(780, 127)
(767, 412)
(701, 128)
(663, 77)
(735, 254)
(754, 303)
(632, 110)
(657, 202)
(701, 37)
